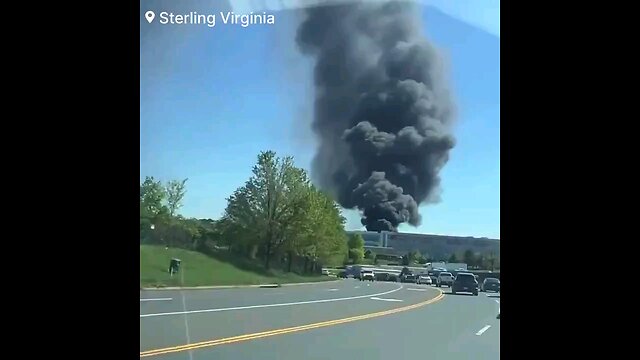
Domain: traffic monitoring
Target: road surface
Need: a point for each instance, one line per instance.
(299, 322)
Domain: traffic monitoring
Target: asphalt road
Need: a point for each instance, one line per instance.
(454, 327)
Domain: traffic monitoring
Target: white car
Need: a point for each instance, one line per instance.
(424, 279)
(325, 272)
(367, 275)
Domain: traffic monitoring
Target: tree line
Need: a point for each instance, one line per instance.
(160, 222)
(278, 217)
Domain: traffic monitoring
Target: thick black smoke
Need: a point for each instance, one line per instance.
(382, 111)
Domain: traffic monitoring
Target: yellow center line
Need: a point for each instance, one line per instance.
(246, 337)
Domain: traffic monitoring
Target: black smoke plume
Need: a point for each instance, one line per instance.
(383, 114)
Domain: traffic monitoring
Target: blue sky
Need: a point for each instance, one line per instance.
(212, 98)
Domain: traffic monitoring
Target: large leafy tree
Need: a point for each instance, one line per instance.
(276, 214)
(152, 198)
(269, 202)
(175, 191)
(152, 208)
(280, 212)
(356, 248)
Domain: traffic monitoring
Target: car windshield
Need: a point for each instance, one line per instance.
(445, 274)
(466, 278)
(492, 280)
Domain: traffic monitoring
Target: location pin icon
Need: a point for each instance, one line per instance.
(149, 15)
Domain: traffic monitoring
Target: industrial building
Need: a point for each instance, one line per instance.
(436, 246)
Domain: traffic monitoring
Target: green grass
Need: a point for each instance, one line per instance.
(197, 269)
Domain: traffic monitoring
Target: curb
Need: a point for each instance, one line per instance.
(233, 286)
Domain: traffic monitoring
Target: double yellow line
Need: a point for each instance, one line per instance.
(235, 339)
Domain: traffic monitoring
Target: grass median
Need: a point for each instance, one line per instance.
(197, 269)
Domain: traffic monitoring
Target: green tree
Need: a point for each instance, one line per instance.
(356, 242)
(356, 256)
(414, 256)
(490, 261)
(152, 197)
(175, 191)
(317, 232)
(453, 258)
(235, 235)
(153, 212)
(192, 232)
(469, 257)
(371, 256)
(270, 202)
(481, 261)
(493, 261)
(356, 248)
(278, 214)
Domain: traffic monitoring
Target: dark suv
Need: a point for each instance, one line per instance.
(490, 284)
(465, 282)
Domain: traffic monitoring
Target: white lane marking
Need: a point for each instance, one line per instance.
(158, 299)
(357, 287)
(186, 323)
(498, 301)
(483, 330)
(269, 305)
(332, 290)
(186, 320)
(416, 289)
(381, 299)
